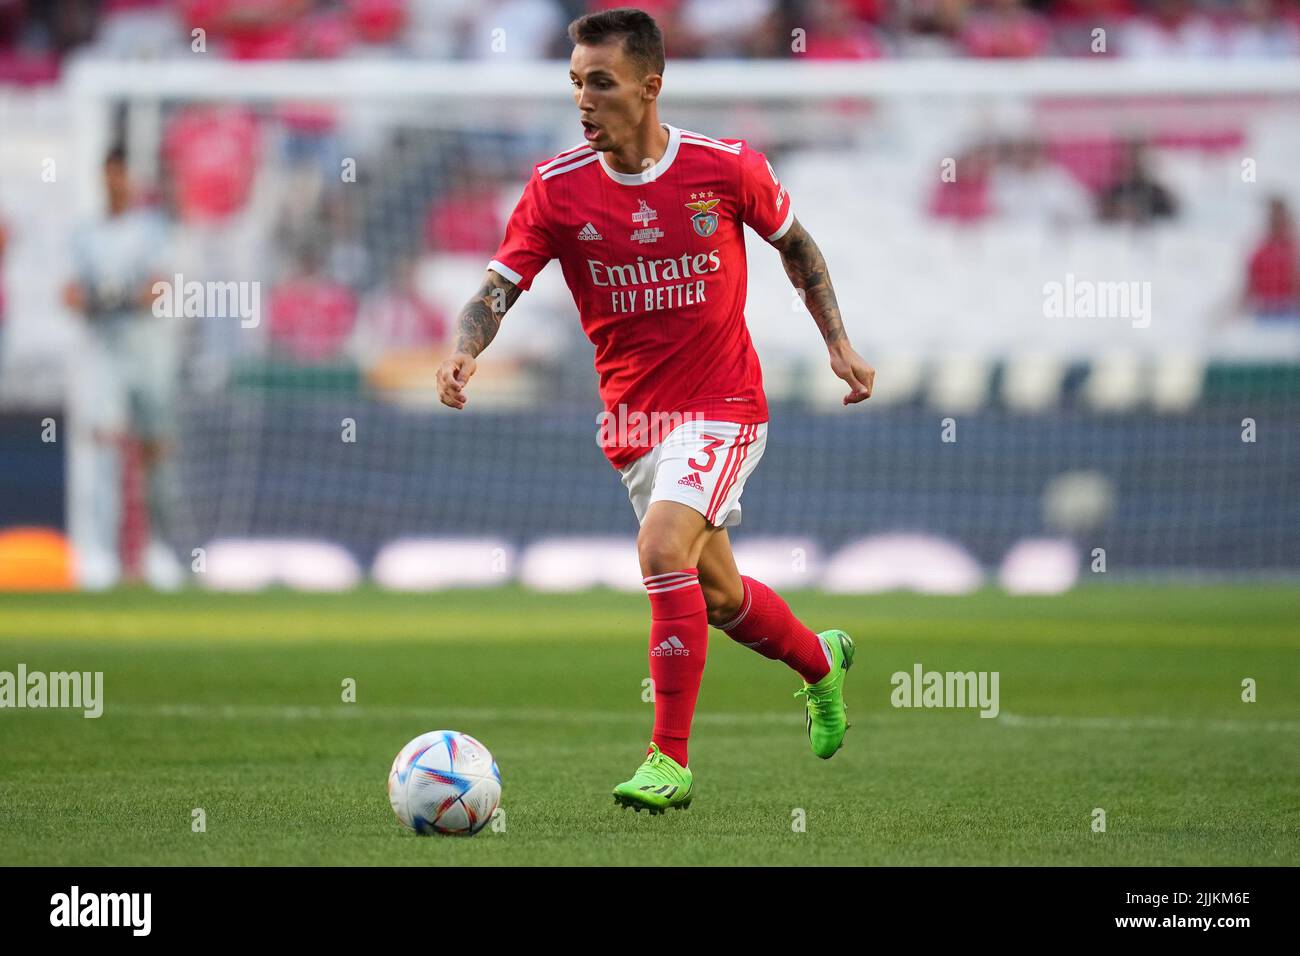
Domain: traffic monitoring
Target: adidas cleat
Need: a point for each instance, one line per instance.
(659, 783)
(827, 717)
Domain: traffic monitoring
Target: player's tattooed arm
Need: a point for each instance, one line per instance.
(806, 267)
(476, 327)
(479, 320)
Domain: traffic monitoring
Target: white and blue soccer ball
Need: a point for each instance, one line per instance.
(444, 782)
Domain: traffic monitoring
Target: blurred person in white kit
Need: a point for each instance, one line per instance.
(121, 387)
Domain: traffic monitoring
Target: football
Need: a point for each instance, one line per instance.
(444, 782)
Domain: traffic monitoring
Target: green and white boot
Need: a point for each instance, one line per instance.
(827, 717)
(659, 783)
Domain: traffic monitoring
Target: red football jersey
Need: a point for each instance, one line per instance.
(656, 265)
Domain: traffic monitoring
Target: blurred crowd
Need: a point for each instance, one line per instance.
(1064, 186)
(344, 273)
(36, 34)
(344, 280)
(346, 257)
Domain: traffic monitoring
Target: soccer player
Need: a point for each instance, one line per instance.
(122, 387)
(647, 222)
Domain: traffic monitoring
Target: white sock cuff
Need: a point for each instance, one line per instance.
(744, 609)
(671, 581)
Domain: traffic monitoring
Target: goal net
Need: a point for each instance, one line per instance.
(1066, 275)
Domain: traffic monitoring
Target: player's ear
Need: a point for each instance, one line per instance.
(651, 86)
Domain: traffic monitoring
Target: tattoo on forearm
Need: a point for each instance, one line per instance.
(806, 268)
(479, 320)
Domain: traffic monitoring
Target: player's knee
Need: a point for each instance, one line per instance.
(661, 553)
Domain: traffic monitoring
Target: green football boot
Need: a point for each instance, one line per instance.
(659, 783)
(827, 717)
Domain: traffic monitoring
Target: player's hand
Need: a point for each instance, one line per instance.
(853, 369)
(453, 374)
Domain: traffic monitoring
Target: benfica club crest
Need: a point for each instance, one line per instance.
(705, 219)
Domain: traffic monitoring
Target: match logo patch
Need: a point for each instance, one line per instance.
(705, 219)
(643, 217)
(644, 214)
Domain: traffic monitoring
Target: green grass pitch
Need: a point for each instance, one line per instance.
(1122, 698)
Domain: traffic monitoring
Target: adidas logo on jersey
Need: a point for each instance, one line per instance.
(672, 647)
(692, 481)
(589, 232)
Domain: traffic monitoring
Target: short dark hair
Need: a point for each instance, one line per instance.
(642, 40)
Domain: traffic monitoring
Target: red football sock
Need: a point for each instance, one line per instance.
(766, 624)
(679, 642)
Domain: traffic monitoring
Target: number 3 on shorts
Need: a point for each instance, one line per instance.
(711, 450)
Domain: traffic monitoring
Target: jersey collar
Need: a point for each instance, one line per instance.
(655, 171)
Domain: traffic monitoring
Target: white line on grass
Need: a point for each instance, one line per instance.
(1229, 724)
(359, 711)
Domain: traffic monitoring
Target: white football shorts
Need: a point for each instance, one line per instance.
(701, 464)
